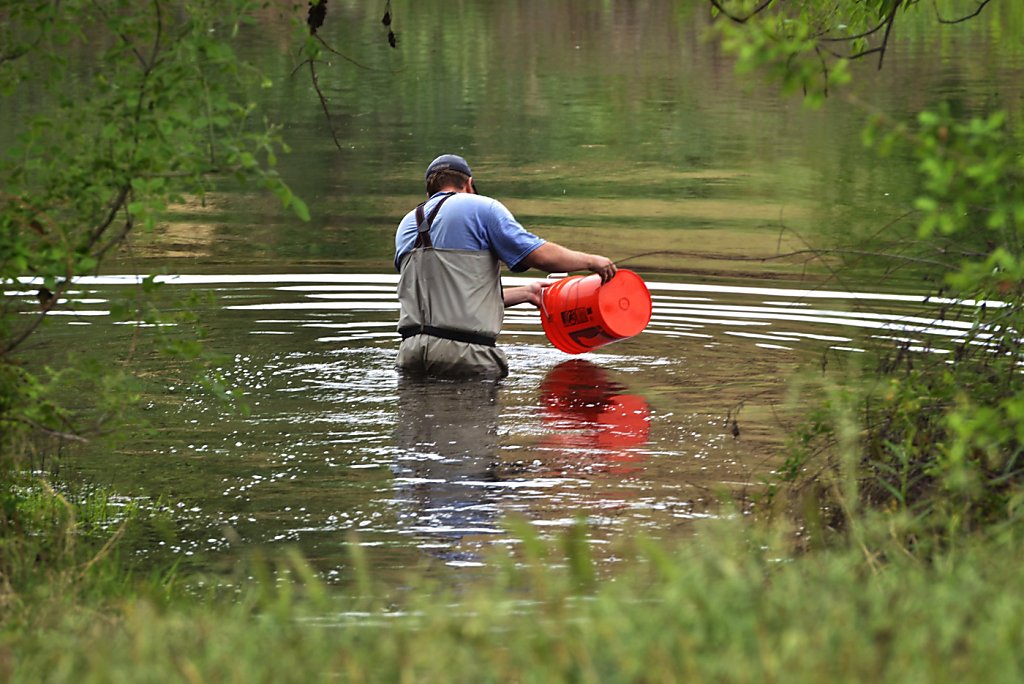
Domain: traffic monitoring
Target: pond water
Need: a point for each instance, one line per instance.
(644, 435)
(612, 127)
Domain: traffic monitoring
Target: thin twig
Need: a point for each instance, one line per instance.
(124, 38)
(741, 20)
(865, 34)
(47, 305)
(343, 56)
(70, 436)
(786, 255)
(323, 103)
(976, 12)
(885, 39)
(102, 553)
(115, 206)
(11, 56)
(159, 32)
(824, 69)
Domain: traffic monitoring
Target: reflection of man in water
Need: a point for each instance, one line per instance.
(448, 460)
(449, 252)
(447, 432)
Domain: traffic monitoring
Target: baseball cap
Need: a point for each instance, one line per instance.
(448, 162)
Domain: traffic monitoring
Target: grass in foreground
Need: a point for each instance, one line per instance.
(722, 607)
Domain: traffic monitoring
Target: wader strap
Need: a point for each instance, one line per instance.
(423, 226)
(447, 333)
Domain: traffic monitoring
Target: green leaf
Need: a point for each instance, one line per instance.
(300, 208)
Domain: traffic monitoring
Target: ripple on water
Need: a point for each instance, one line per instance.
(336, 443)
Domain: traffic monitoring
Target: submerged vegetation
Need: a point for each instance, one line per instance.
(890, 552)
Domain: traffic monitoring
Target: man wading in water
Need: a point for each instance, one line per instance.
(449, 252)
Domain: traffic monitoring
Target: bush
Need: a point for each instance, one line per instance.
(940, 433)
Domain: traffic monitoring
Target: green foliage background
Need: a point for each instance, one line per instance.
(909, 476)
(933, 436)
(146, 104)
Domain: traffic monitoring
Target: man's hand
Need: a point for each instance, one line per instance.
(529, 293)
(534, 289)
(603, 266)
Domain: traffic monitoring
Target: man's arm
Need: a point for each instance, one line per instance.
(552, 257)
(529, 293)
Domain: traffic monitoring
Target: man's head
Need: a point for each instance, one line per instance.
(448, 171)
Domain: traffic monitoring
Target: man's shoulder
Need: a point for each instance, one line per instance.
(481, 204)
(408, 220)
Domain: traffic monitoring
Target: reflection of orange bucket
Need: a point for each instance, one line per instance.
(588, 409)
(579, 313)
(625, 422)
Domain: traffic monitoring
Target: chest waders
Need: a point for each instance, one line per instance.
(452, 307)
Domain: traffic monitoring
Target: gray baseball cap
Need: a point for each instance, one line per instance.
(448, 162)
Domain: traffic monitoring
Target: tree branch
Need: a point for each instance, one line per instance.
(50, 431)
(976, 12)
(741, 20)
(129, 223)
(885, 39)
(812, 253)
(343, 56)
(125, 39)
(323, 103)
(888, 24)
(865, 34)
(115, 207)
(159, 32)
(11, 56)
(47, 305)
(824, 69)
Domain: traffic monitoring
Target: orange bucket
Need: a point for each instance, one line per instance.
(580, 314)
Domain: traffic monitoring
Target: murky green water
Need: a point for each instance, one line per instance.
(607, 126)
(642, 435)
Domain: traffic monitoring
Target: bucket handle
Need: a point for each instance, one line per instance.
(575, 285)
(543, 296)
(543, 309)
(543, 293)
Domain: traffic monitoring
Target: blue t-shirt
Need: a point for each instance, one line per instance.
(472, 222)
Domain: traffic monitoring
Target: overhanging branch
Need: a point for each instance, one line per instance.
(741, 20)
(976, 12)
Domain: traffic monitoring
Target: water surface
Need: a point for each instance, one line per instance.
(642, 435)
